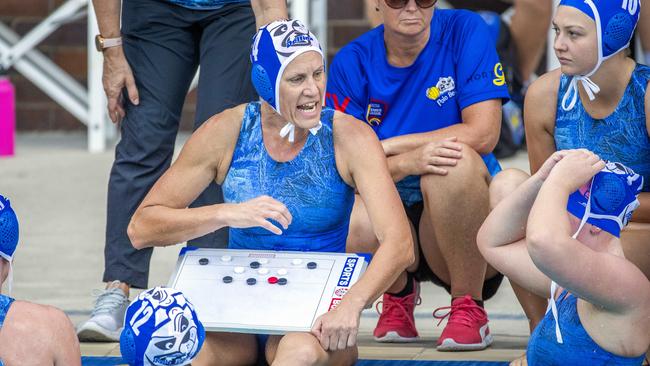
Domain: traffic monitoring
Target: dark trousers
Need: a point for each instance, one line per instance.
(164, 44)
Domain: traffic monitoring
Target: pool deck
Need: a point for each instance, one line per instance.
(58, 190)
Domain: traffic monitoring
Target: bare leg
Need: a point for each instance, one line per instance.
(362, 239)
(534, 306)
(303, 349)
(634, 239)
(455, 207)
(227, 349)
(529, 26)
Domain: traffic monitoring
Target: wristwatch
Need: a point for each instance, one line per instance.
(102, 43)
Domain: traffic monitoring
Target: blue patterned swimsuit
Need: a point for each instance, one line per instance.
(5, 304)
(622, 136)
(578, 348)
(309, 185)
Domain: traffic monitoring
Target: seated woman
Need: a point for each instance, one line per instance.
(30, 334)
(600, 313)
(289, 170)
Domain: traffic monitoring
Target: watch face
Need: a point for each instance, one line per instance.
(98, 43)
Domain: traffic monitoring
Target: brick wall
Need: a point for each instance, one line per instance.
(35, 111)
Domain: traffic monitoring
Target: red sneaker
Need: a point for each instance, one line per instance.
(396, 322)
(467, 328)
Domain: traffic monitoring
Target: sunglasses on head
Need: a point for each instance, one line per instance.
(399, 4)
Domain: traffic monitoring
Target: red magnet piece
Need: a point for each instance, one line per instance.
(273, 280)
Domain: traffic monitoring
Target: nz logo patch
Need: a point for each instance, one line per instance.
(375, 112)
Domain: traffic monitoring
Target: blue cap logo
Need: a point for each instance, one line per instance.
(161, 328)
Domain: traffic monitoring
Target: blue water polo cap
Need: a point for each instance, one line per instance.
(615, 24)
(161, 328)
(610, 198)
(8, 229)
(274, 46)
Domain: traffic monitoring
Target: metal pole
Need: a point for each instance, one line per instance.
(97, 119)
(299, 9)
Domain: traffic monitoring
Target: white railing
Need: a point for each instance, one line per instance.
(85, 104)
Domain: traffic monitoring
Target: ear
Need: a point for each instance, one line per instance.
(594, 230)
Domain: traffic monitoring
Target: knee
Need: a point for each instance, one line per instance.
(304, 349)
(469, 169)
(505, 183)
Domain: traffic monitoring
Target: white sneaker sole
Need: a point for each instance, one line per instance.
(394, 337)
(451, 345)
(93, 332)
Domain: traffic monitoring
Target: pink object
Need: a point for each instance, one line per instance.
(7, 116)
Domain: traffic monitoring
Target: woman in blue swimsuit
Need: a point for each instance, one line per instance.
(599, 311)
(289, 169)
(30, 334)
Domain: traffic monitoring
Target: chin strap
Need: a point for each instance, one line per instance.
(551, 301)
(590, 87)
(290, 129)
(553, 307)
(10, 278)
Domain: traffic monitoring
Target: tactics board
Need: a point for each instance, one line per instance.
(263, 292)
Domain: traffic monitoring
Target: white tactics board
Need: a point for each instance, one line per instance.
(263, 292)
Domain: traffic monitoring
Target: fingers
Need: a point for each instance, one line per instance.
(440, 161)
(435, 170)
(269, 226)
(131, 89)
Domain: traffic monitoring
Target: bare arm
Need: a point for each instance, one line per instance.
(163, 217)
(479, 129)
(570, 263)
(117, 73)
(539, 112)
(366, 169)
(502, 237)
(267, 11)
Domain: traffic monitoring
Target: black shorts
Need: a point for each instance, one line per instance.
(424, 273)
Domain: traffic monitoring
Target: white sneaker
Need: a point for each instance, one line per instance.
(107, 318)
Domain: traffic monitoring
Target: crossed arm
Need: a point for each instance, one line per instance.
(432, 152)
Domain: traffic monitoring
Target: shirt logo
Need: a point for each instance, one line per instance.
(375, 112)
(499, 77)
(444, 89)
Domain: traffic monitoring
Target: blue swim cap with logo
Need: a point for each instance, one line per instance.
(274, 47)
(615, 24)
(161, 328)
(610, 199)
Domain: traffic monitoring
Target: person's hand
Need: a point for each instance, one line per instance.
(575, 169)
(338, 328)
(550, 163)
(256, 212)
(434, 157)
(117, 76)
